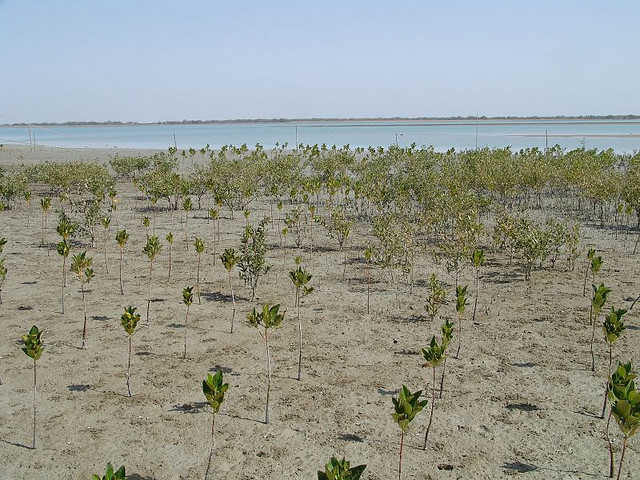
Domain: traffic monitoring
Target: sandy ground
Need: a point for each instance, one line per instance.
(520, 401)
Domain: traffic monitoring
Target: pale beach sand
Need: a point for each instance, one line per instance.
(520, 401)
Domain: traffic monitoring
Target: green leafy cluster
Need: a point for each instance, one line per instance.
(341, 470)
(110, 474)
(613, 325)
(33, 343)
(214, 389)
(268, 317)
(625, 399)
(129, 320)
(407, 406)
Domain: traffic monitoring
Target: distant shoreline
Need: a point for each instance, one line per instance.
(468, 120)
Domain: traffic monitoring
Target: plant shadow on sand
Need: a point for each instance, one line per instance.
(16, 444)
(78, 388)
(222, 297)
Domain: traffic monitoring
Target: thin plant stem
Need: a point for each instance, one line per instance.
(213, 433)
(186, 321)
(593, 337)
(35, 405)
(121, 289)
(129, 369)
(624, 449)
(400, 459)
(84, 327)
(299, 334)
(433, 401)
(233, 299)
(266, 341)
(149, 297)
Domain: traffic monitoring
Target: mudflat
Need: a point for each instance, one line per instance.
(521, 399)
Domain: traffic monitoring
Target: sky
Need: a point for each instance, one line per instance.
(156, 60)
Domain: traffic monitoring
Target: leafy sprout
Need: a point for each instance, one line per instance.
(111, 474)
(341, 470)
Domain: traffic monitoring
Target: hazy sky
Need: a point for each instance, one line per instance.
(137, 60)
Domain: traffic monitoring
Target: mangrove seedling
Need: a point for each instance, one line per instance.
(129, 321)
(63, 249)
(368, 254)
(341, 470)
(436, 297)
(253, 249)
(33, 348)
(625, 408)
(434, 355)
(447, 335)
(300, 278)
(81, 266)
(612, 328)
(121, 237)
(478, 261)
(151, 250)
(3, 276)
(461, 303)
(187, 206)
(187, 299)
(598, 300)
(267, 318)
(119, 474)
(229, 260)
(214, 389)
(169, 238)
(594, 264)
(106, 223)
(199, 246)
(620, 383)
(45, 203)
(406, 407)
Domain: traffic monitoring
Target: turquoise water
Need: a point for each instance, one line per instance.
(621, 135)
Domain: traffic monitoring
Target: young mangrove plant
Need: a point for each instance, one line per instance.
(434, 355)
(110, 474)
(598, 300)
(63, 249)
(447, 335)
(65, 229)
(45, 203)
(617, 387)
(214, 389)
(199, 246)
(252, 261)
(3, 276)
(612, 328)
(406, 407)
(461, 303)
(436, 297)
(33, 348)
(477, 259)
(187, 206)
(151, 250)
(267, 318)
(106, 224)
(81, 266)
(187, 299)
(594, 263)
(169, 239)
(129, 321)
(229, 260)
(300, 278)
(625, 408)
(121, 237)
(368, 254)
(341, 470)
